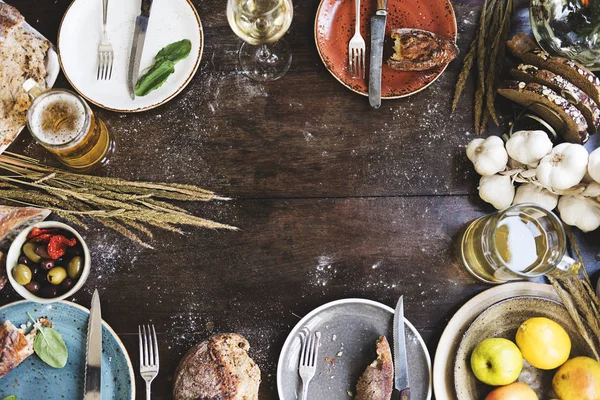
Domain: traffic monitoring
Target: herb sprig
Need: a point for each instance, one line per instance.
(163, 67)
(49, 345)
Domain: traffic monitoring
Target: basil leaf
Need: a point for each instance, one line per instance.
(154, 78)
(11, 397)
(50, 347)
(175, 51)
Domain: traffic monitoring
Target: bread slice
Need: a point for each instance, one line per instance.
(9, 18)
(15, 346)
(564, 117)
(377, 382)
(419, 50)
(523, 46)
(587, 106)
(14, 219)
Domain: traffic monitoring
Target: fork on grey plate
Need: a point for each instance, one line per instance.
(357, 48)
(148, 355)
(308, 359)
(105, 50)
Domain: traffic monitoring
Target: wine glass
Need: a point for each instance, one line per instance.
(261, 23)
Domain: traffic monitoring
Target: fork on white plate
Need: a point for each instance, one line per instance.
(105, 51)
(356, 48)
(308, 360)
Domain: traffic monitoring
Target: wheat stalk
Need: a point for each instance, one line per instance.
(127, 207)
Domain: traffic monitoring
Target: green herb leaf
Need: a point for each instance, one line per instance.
(175, 51)
(50, 347)
(155, 77)
(11, 397)
(164, 65)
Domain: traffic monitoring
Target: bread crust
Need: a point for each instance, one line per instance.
(377, 382)
(15, 347)
(420, 50)
(10, 17)
(218, 368)
(14, 219)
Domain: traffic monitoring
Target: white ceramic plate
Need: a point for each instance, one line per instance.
(81, 31)
(349, 329)
(52, 69)
(443, 364)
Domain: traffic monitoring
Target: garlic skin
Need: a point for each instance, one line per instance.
(564, 167)
(487, 155)
(579, 212)
(498, 190)
(528, 147)
(592, 190)
(530, 193)
(594, 165)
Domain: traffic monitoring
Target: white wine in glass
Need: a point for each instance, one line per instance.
(261, 24)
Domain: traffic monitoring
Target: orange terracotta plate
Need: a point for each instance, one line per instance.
(334, 26)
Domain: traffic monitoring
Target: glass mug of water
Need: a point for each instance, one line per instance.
(64, 124)
(524, 241)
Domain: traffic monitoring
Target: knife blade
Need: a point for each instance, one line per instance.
(137, 46)
(401, 383)
(93, 361)
(378, 22)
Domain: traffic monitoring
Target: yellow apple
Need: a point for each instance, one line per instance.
(496, 362)
(514, 391)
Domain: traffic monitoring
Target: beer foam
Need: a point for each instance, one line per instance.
(57, 118)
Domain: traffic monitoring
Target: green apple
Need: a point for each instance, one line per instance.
(496, 362)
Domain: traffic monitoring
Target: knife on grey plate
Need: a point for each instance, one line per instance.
(376, 59)
(93, 360)
(401, 385)
(137, 47)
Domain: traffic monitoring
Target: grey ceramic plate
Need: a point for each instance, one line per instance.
(502, 320)
(349, 329)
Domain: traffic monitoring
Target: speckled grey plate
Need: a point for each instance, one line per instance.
(502, 320)
(349, 329)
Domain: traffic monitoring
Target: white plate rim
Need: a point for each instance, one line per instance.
(110, 330)
(443, 381)
(152, 106)
(325, 306)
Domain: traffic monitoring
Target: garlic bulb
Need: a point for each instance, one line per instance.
(528, 147)
(488, 155)
(530, 193)
(498, 190)
(594, 165)
(592, 190)
(564, 167)
(580, 212)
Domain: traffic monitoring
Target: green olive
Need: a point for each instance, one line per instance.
(29, 251)
(56, 275)
(75, 267)
(22, 274)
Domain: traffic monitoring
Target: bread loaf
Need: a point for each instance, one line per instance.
(554, 109)
(218, 368)
(377, 382)
(587, 106)
(14, 219)
(523, 47)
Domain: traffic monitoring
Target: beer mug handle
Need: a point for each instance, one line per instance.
(32, 88)
(566, 267)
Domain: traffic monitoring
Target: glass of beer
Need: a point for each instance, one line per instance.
(523, 241)
(63, 123)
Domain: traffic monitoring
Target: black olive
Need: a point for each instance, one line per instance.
(42, 277)
(42, 251)
(67, 285)
(47, 264)
(34, 269)
(48, 291)
(33, 287)
(24, 260)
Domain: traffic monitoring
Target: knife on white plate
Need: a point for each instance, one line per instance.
(137, 48)
(378, 22)
(401, 384)
(93, 357)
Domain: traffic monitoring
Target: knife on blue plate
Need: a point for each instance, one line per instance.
(137, 48)
(376, 59)
(401, 385)
(93, 357)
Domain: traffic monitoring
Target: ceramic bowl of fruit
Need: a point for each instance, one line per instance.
(48, 262)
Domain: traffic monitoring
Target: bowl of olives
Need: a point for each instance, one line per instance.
(48, 262)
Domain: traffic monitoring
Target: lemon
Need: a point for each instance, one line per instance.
(543, 343)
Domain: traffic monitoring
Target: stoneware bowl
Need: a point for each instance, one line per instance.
(15, 251)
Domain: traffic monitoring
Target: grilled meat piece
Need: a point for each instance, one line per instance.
(419, 50)
(377, 382)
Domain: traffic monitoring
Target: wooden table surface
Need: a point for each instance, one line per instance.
(318, 179)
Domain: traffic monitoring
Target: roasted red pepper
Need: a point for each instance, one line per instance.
(43, 238)
(37, 232)
(58, 245)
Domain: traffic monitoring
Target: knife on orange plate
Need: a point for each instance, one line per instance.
(378, 22)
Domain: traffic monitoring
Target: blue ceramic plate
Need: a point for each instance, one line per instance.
(34, 379)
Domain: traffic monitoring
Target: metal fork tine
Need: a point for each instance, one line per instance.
(105, 66)
(110, 76)
(151, 349)
(145, 346)
(154, 334)
(303, 348)
(141, 349)
(317, 340)
(309, 350)
(312, 350)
